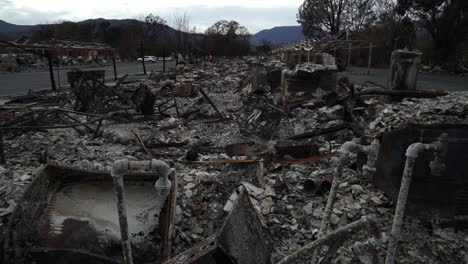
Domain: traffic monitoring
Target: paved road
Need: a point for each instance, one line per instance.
(15, 83)
(425, 80)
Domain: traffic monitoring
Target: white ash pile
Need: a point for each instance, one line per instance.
(289, 193)
(449, 109)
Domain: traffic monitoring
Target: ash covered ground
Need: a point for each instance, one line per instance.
(193, 136)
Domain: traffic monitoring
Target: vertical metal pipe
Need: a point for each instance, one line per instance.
(115, 67)
(58, 71)
(51, 70)
(349, 57)
(118, 170)
(440, 149)
(400, 210)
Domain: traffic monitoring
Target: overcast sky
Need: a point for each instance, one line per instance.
(254, 14)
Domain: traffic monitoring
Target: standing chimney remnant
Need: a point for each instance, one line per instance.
(404, 69)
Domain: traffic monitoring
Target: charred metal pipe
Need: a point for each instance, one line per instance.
(437, 168)
(332, 195)
(163, 186)
(372, 151)
(341, 234)
(366, 251)
(119, 168)
(347, 149)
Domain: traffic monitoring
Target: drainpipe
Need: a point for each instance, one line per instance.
(163, 187)
(437, 169)
(347, 149)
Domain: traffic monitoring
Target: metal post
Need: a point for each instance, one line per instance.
(349, 56)
(400, 210)
(437, 168)
(349, 50)
(164, 59)
(115, 68)
(143, 57)
(58, 66)
(370, 59)
(51, 70)
(118, 170)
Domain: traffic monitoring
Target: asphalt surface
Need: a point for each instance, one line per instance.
(438, 81)
(16, 83)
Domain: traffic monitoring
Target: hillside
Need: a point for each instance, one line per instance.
(12, 31)
(278, 35)
(7, 28)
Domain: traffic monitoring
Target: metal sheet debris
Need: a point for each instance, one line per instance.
(69, 212)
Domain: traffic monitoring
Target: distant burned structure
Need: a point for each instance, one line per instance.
(57, 53)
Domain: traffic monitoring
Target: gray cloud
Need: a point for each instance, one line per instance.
(255, 19)
(27, 16)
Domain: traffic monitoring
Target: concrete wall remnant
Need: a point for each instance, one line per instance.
(302, 82)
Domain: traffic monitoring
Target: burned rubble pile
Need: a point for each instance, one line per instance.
(239, 127)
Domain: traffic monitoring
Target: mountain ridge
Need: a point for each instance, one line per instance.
(275, 35)
(278, 35)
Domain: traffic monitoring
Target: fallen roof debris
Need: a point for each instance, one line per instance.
(257, 154)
